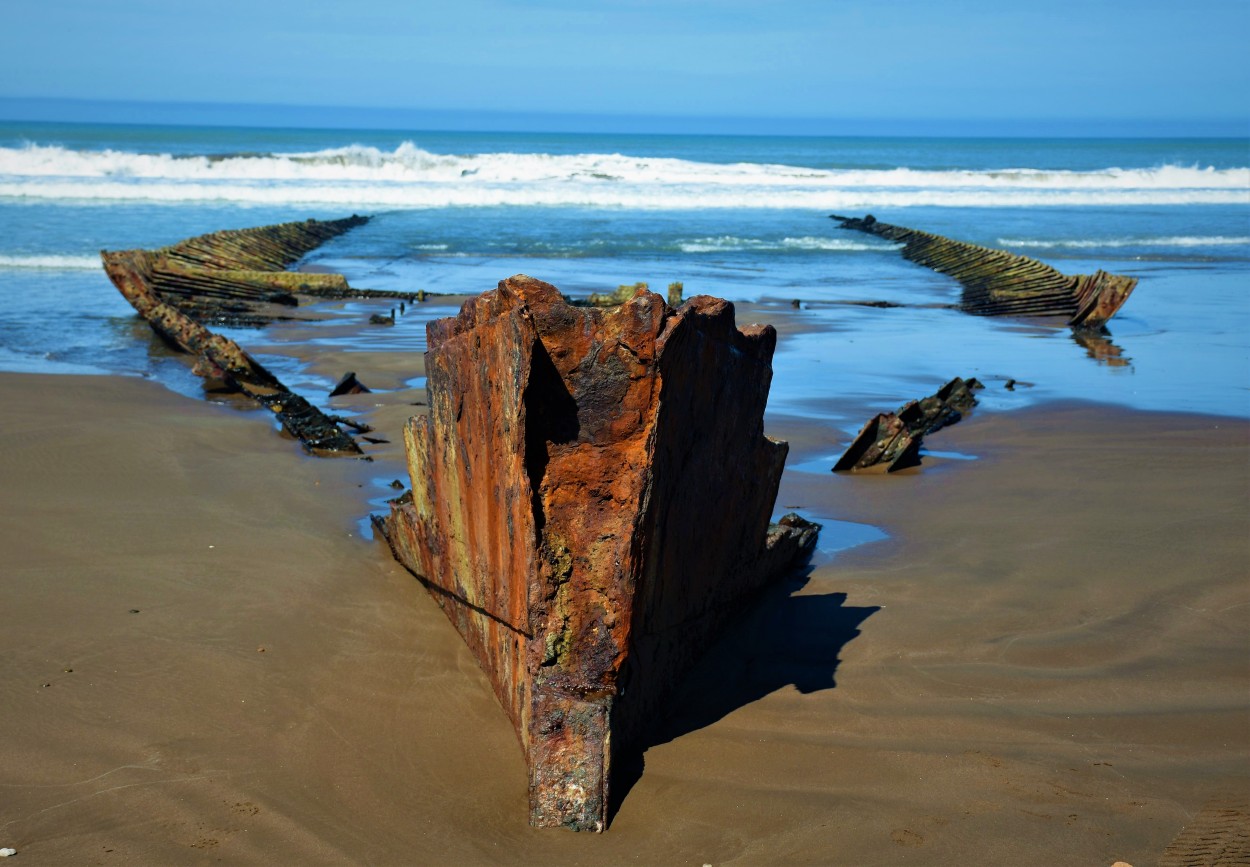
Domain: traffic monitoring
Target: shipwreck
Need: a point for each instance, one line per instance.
(239, 277)
(999, 283)
(890, 441)
(591, 491)
(590, 505)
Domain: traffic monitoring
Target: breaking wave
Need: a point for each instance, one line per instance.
(72, 263)
(1092, 243)
(411, 177)
(729, 243)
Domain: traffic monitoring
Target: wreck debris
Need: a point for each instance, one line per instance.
(159, 285)
(349, 384)
(884, 444)
(891, 441)
(616, 297)
(552, 514)
(239, 276)
(998, 283)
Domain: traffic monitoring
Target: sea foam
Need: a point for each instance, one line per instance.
(51, 262)
(730, 243)
(1101, 243)
(411, 177)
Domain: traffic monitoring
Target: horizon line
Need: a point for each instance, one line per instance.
(19, 109)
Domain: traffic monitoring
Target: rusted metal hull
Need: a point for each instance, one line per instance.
(998, 283)
(590, 503)
(891, 441)
(173, 287)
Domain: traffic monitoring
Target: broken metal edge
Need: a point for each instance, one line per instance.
(890, 441)
(585, 617)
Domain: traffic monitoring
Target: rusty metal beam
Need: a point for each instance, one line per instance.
(590, 504)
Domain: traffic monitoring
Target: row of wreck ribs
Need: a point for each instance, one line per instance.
(591, 490)
(238, 277)
(999, 283)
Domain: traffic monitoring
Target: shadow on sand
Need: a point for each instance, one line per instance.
(784, 640)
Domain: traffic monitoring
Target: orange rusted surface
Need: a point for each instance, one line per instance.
(590, 502)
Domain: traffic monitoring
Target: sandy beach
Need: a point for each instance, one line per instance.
(1031, 650)
(204, 661)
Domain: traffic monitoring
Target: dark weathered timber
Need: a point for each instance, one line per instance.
(349, 384)
(998, 283)
(239, 276)
(883, 445)
(891, 441)
(590, 504)
(178, 314)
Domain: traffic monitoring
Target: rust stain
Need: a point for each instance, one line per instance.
(590, 503)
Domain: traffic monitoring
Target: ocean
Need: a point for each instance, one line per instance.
(741, 217)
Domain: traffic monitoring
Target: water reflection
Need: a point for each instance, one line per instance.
(1099, 347)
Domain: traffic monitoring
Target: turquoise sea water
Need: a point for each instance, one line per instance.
(743, 217)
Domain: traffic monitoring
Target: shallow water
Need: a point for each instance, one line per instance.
(743, 218)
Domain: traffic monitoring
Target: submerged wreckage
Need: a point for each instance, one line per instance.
(239, 277)
(890, 441)
(559, 512)
(998, 283)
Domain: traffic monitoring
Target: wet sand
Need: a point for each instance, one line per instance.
(1047, 661)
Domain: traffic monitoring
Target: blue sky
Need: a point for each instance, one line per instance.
(1097, 60)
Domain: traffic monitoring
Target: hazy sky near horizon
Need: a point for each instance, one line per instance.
(917, 59)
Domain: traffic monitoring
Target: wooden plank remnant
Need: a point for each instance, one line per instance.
(590, 504)
(999, 283)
